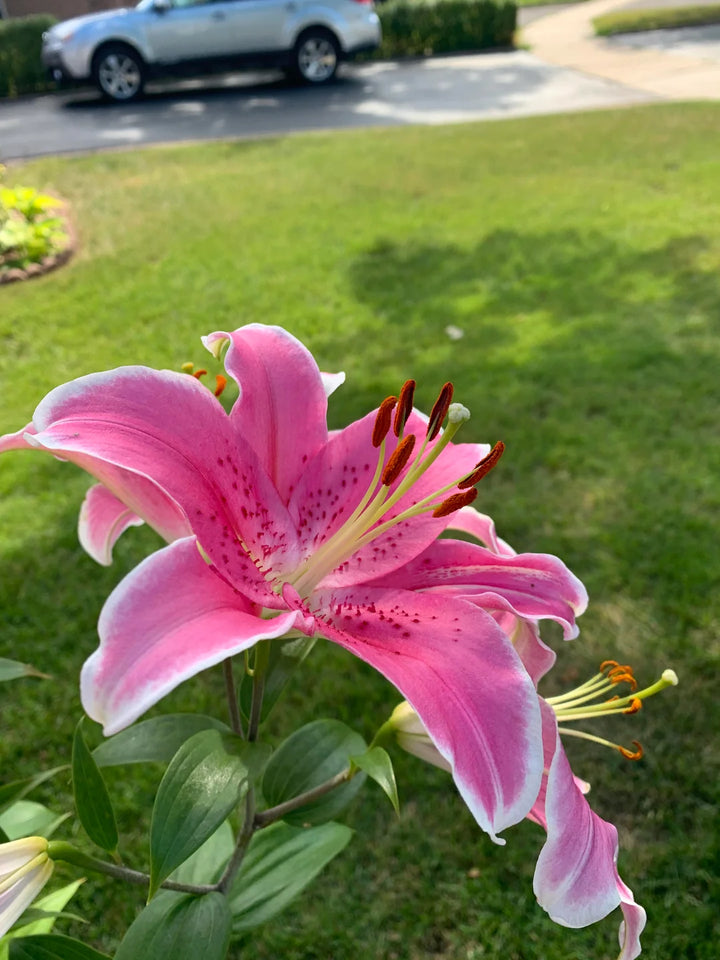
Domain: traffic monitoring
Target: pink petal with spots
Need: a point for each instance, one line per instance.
(336, 480)
(171, 431)
(482, 527)
(103, 518)
(532, 585)
(576, 878)
(170, 618)
(461, 675)
(282, 407)
(536, 656)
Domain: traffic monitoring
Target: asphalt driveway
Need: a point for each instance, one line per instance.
(433, 91)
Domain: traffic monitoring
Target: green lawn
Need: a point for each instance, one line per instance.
(580, 256)
(637, 21)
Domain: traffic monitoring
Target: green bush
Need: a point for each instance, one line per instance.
(449, 26)
(20, 68)
(29, 232)
(637, 21)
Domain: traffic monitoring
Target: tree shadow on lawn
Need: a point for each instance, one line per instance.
(597, 363)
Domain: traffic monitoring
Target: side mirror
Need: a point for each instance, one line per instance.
(162, 6)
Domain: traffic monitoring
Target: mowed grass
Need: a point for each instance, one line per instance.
(579, 255)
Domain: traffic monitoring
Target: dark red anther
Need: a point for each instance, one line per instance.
(220, 384)
(439, 411)
(397, 461)
(456, 502)
(484, 467)
(630, 754)
(383, 420)
(404, 407)
(199, 373)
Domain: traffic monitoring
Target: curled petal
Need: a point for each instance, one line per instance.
(103, 518)
(282, 407)
(532, 585)
(170, 618)
(482, 527)
(461, 675)
(576, 878)
(18, 440)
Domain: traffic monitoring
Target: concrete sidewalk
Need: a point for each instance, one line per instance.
(566, 38)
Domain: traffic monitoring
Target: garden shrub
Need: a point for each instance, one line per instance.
(21, 70)
(449, 26)
(30, 230)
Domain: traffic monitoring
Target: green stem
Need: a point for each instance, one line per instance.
(60, 850)
(265, 817)
(243, 842)
(262, 660)
(231, 693)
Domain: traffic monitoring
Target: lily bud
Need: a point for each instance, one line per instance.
(25, 868)
(412, 736)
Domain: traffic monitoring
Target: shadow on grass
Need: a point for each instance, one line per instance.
(597, 363)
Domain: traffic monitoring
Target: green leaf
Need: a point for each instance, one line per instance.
(285, 657)
(280, 862)
(310, 756)
(377, 764)
(11, 670)
(206, 865)
(179, 927)
(12, 792)
(92, 799)
(153, 741)
(52, 947)
(29, 819)
(204, 781)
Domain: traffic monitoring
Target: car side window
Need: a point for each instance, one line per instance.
(182, 4)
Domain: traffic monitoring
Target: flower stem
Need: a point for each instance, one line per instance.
(262, 660)
(60, 850)
(265, 817)
(231, 692)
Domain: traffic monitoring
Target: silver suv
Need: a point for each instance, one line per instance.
(120, 49)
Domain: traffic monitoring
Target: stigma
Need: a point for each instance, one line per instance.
(590, 700)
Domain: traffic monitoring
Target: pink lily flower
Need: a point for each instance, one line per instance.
(277, 527)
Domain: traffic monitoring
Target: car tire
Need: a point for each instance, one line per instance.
(316, 56)
(118, 72)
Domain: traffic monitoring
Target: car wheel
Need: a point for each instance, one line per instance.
(119, 73)
(316, 56)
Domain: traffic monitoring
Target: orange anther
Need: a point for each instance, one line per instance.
(484, 467)
(608, 663)
(455, 502)
(632, 754)
(439, 411)
(220, 384)
(397, 461)
(635, 705)
(623, 678)
(199, 373)
(383, 420)
(404, 407)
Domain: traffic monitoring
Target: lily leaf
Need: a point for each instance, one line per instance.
(377, 764)
(51, 903)
(92, 799)
(281, 861)
(206, 865)
(11, 670)
(204, 781)
(53, 947)
(153, 741)
(309, 757)
(180, 927)
(12, 792)
(29, 819)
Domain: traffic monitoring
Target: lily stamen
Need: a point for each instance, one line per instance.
(635, 754)
(576, 704)
(404, 407)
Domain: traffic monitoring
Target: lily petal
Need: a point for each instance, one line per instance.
(103, 518)
(16, 899)
(576, 878)
(282, 407)
(17, 440)
(172, 432)
(462, 676)
(482, 527)
(532, 585)
(170, 618)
